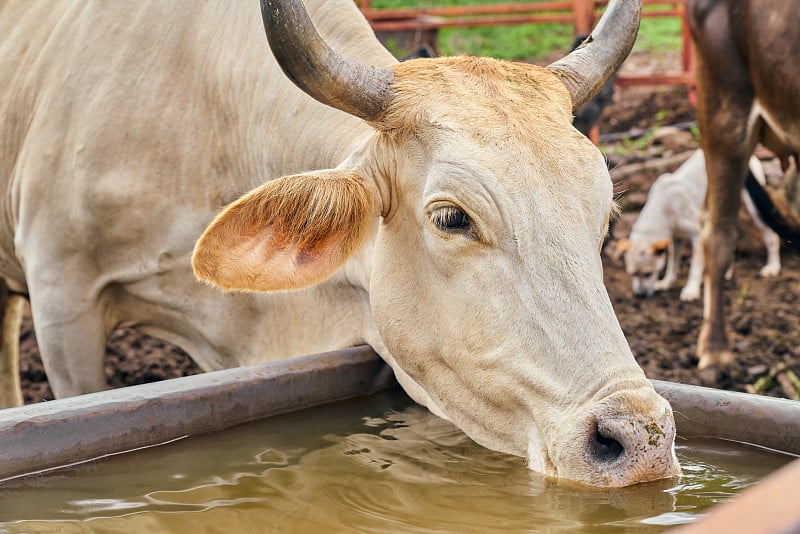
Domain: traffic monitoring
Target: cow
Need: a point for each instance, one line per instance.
(443, 211)
(748, 91)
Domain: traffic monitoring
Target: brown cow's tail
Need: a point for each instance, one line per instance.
(770, 214)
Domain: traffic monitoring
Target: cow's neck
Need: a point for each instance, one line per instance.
(265, 129)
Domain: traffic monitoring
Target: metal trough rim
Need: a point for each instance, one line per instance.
(64, 432)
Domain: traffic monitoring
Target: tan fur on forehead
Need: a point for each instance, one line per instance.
(484, 92)
(659, 246)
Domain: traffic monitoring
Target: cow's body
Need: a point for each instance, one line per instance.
(748, 77)
(103, 204)
(128, 126)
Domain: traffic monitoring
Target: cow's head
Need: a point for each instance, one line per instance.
(486, 282)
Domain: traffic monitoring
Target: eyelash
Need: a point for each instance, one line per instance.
(451, 219)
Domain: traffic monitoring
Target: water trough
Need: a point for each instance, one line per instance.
(49, 435)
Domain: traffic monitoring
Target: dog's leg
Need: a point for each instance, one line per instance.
(691, 291)
(773, 244)
(771, 240)
(671, 273)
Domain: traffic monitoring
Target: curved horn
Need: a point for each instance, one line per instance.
(355, 88)
(587, 69)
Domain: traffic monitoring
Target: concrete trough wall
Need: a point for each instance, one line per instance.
(62, 432)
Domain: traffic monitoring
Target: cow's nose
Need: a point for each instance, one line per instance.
(633, 448)
(604, 447)
(642, 293)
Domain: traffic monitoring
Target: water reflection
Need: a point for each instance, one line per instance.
(397, 469)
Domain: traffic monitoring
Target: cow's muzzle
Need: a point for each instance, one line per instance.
(632, 449)
(627, 438)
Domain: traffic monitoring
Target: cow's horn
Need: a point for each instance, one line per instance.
(587, 69)
(358, 89)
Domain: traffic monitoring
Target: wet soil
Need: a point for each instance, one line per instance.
(764, 314)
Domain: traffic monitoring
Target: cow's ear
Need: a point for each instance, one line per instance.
(289, 233)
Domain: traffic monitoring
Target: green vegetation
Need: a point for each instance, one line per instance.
(531, 42)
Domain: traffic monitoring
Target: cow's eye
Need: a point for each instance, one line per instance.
(451, 219)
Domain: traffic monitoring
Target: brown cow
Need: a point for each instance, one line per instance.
(748, 91)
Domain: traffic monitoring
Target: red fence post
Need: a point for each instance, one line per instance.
(583, 15)
(687, 59)
(580, 13)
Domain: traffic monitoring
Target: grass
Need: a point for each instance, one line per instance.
(532, 42)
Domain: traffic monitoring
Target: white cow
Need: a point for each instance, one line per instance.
(455, 224)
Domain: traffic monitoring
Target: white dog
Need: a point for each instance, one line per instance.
(673, 210)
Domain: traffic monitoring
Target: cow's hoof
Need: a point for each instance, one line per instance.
(723, 358)
(710, 376)
(729, 273)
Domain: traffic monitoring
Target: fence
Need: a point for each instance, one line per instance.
(582, 14)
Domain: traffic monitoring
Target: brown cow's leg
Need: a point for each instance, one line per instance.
(719, 243)
(11, 312)
(724, 102)
(726, 165)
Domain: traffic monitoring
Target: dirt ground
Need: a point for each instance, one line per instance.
(662, 331)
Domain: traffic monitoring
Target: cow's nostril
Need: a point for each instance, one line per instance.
(604, 447)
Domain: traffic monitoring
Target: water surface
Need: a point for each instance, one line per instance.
(381, 464)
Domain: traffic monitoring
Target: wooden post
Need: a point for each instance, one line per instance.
(583, 16)
(687, 60)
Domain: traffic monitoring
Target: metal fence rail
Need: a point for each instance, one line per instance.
(582, 14)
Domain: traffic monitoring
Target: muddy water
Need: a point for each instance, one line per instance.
(373, 465)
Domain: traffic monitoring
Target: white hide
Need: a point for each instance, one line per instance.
(121, 145)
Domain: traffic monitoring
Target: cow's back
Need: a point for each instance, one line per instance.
(125, 127)
(772, 31)
(760, 38)
(129, 122)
